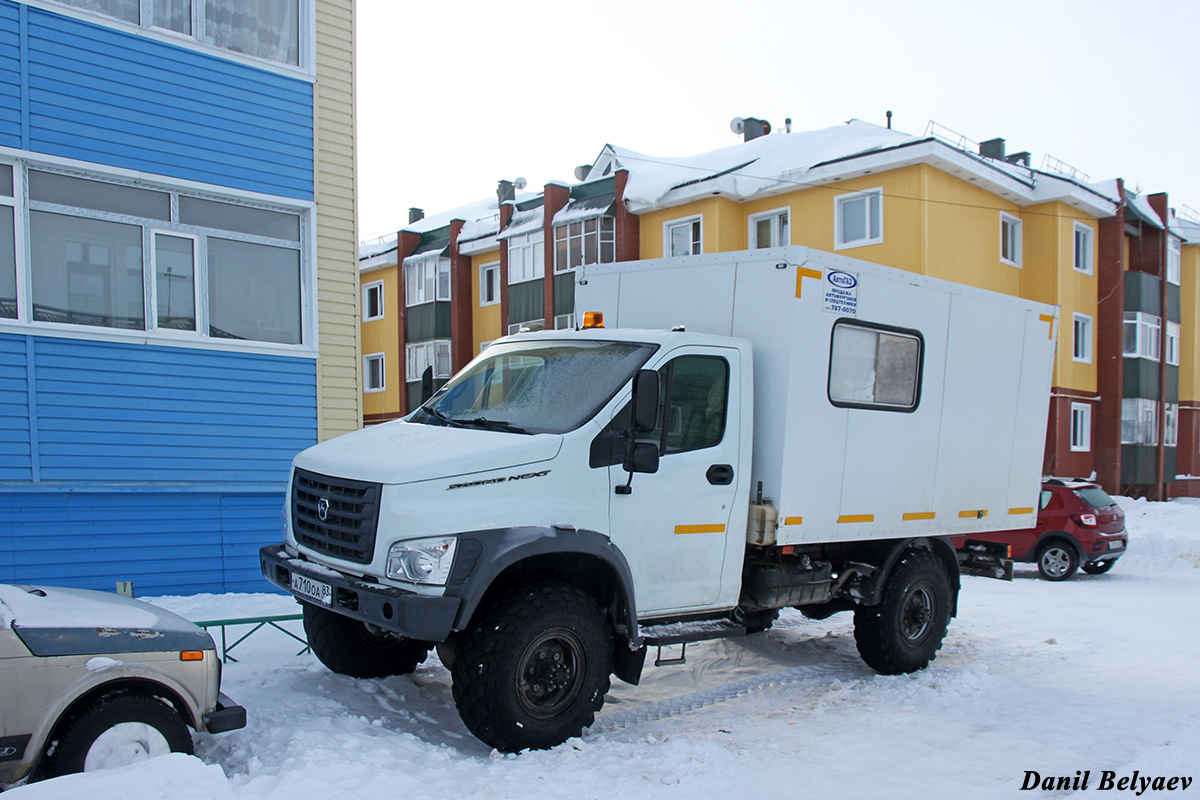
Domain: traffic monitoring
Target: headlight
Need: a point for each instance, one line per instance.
(422, 560)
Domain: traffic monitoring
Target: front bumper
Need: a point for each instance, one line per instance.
(416, 616)
(227, 716)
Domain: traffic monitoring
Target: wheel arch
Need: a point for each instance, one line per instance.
(886, 553)
(1050, 537)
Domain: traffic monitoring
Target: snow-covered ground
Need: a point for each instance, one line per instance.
(1096, 674)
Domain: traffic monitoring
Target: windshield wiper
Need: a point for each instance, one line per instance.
(492, 424)
(455, 423)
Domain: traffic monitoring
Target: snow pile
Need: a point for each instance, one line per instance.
(1095, 673)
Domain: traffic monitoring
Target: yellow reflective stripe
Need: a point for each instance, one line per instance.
(919, 515)
(1020, 511)
(793, 520)
(699, 528)
(1049, 319)
(977, 512)
(802, 273)
(856, 518)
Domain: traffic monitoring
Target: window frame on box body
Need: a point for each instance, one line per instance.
(695, 225)
(778, 221)
(373, 288)
(370, 359)
(1081, 427)
(1011, 239)
(1081, 338)
(1083, 250)
(198, 36)
(101, 208)
(873, 215)
(841, 365)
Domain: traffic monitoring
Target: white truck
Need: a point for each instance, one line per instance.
(753, 431)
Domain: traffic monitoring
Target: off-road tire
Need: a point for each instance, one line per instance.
(905, 631)
(76, 738)
(1057, 561)
(532, 670)
(1099, 567)
(348, 647)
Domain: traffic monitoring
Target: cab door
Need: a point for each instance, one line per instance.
(674, 524)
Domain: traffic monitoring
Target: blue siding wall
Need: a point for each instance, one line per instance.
(106, 96)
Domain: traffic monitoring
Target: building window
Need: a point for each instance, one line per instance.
(1010, 239)
(874, 367)
(858, 219)
(1139, 421)
(684, 237)
(266, 29)
(373, 373)
(1081, 427)
(589, 241)
(1083, 248)
(422, 355)
(1174, 260)
(528, 325)
(372, 302)
(1170, 424)
(526, 257)
(426, 279)
(110, 255)
(1141, 337)
(769, 229)
(564, 322)
(1082, 345)
(489, 284)
(1173, 343)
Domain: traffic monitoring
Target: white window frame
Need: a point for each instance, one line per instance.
(1083, 251)
(1081, 345)
(1170, 424)
(1011, 236)
(196, 40)
(695, 237)
(417, 273)
(492, 268)
(1139, 421)
(1146, 339)
(780, 219)
(367, 290)
(875, 196)
(419, 355)
(304, 245)
(602, 236)
(532, 324)
(532, 246)
(1173, 342)
(381, 358)
(1174, 260)
(564, 322)
(1081, 427)
(197, 295)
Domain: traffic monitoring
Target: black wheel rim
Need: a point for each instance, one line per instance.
(551, 670)
(916, 617)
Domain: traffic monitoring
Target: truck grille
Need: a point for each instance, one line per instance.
(348, 530)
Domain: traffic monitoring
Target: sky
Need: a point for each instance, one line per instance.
(453, 97)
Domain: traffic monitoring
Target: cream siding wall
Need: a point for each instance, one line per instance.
(339, 368)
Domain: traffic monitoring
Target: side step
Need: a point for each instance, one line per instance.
(684, 633)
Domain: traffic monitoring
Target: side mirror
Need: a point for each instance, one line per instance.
(645, 401)
(426, 384)
(641, 457)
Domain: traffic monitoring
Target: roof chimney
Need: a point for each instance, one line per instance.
(992, 148)
(753, 128)
(415, 215)
(506, 192)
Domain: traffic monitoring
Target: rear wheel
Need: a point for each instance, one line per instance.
(904, 632)
(532, 671)
(117, 730)
(1057, 561)
(1099, 567)
(350, 647)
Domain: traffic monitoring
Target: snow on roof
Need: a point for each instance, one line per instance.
(1186, 229)
(775, 161)
(586, 208)
(377, 247)
(1143, 208)
(480, 228)
(524, 222)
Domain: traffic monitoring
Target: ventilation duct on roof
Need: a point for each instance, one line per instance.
(415, 215)
(992, 148)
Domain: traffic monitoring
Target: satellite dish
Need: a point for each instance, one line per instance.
(520, 183)
(737, 125)
(582, 171)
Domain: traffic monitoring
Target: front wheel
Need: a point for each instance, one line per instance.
(117, 730)
(1057, 561)
(349, 647)
(904, 632)
(532, 671)
(1099, 567)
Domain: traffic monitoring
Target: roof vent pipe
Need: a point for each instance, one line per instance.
(787, 125)
(415, 215)
(889, 117)
(506, 192)
(992, 148)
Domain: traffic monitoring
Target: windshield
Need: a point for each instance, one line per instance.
(535, 387)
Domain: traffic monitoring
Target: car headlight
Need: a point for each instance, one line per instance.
(422, 560)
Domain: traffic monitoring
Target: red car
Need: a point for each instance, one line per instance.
(1078, 525)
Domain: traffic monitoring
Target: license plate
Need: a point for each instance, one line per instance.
(1117, 545)
(321, 592)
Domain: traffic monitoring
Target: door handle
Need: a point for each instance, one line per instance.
(720, 474)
